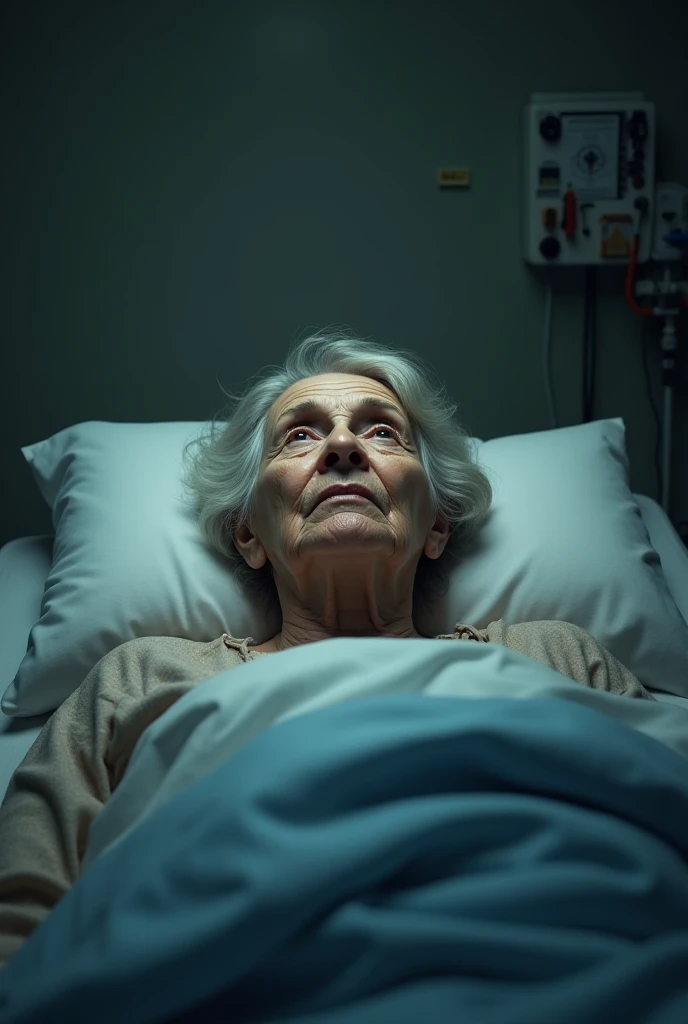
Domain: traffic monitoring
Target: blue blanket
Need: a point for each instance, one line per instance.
(394, 859)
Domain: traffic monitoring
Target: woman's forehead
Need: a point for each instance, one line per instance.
(332, 391)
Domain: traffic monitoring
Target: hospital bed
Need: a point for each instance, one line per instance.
(340, 933)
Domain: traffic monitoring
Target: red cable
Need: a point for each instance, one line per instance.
(630, 274)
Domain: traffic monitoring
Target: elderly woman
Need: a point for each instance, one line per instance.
(340, 493)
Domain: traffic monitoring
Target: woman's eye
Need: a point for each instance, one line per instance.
(302, 430)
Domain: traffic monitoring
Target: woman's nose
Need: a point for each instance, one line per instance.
(343, 444)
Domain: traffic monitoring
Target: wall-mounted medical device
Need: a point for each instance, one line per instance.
(588, 178)
(590, 199)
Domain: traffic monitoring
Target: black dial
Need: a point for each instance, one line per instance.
(550, 128)
(550, 248)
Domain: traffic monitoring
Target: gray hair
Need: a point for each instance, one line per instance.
(222, 464)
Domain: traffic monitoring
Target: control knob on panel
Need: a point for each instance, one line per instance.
(550, 128)
(638, 127)
(550, 248)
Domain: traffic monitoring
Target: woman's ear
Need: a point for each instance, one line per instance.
(436, 541)
(249, 547)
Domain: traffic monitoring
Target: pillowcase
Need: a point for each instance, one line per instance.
(564, 540)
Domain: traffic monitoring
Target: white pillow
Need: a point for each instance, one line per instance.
(565, 540)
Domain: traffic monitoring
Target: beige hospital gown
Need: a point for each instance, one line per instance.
(81, 754)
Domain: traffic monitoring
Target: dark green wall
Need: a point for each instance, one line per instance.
(189, 186)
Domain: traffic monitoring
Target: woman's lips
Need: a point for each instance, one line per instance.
(346, 497)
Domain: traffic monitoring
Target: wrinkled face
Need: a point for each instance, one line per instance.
(354, 431)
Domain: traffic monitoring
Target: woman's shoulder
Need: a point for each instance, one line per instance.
(142, 646)
(164, 657)
(462, 631)
(510, 634)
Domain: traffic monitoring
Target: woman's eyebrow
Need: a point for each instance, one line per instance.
(311, 405)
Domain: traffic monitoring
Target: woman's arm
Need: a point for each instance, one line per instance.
(52, 798)
(75, 765)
